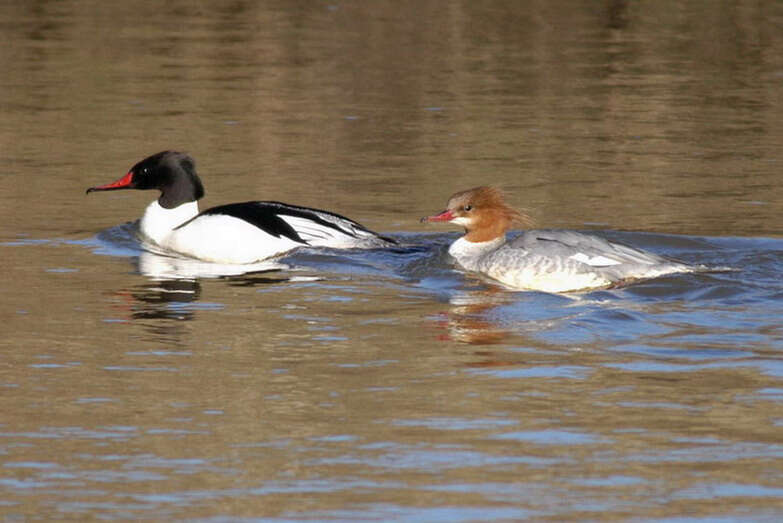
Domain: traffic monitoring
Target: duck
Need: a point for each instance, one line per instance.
(233, 233)
(555, 261)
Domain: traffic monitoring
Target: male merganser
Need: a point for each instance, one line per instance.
(551, 261)
(234, 233)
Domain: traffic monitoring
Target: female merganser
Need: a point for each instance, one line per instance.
(234, 233)
(551, 261)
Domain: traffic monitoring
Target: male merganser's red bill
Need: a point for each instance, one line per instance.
(545, 260)
(122, 183)
(234, 233)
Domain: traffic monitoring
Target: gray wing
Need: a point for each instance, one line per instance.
(585, 248)
(576, 252)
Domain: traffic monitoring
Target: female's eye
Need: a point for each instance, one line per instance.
(468, 207)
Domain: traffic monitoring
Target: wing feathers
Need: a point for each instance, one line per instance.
(300, 224)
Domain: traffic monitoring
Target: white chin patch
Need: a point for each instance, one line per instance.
(461, 220)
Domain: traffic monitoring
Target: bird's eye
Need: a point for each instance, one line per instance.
(468, 207)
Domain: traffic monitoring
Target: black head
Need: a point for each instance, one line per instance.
(172, 173)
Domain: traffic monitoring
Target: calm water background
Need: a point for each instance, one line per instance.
(387, 385)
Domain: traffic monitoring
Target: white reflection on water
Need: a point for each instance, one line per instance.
(159, 266)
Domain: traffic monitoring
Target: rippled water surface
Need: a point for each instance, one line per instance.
(387, 385)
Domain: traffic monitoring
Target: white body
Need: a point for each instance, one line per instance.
(222, 238)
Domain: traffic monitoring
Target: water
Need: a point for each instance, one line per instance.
(386, 385)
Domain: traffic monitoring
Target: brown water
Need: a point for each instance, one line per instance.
(387, 385)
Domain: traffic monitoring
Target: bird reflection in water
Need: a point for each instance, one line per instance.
(160, 307)
(468, 319)
(488, 314)
(173, 286)
(166, 266)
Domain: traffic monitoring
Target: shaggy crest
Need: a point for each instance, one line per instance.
(483, 212)
(488, 197)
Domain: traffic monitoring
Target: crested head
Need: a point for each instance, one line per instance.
(172, 173)
(483, 197)
(482, 211)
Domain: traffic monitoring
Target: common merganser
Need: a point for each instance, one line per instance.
(236, 233)
(545, 260)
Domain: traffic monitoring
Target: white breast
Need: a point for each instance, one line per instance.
(469, 253)
(157, 223)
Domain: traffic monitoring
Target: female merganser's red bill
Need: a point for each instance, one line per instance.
(551, 261)
(235, 233)
(445, 216)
